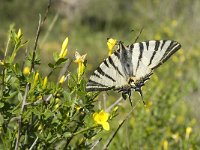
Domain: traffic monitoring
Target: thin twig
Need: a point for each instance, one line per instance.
(138, 35)
(64, 70)
(20, 117)
(120, 125)
(104, 101)
(35, 45)
(33, 144)
(7, 45)
(114, 104)
(95, 144)
(25, 56)
(4, 71)
(70, 138)
(50, 28)
(41, 22)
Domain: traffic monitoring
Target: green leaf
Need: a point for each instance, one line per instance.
(1, 120)
(20, 97)
(1, 105)
(36, 111)
(60, 60)
(12, 95)
(55, 56)
(48, 114)
(67, 96)
(51, 65)
(67, 134)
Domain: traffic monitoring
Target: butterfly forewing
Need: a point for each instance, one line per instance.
(136, 60)
(108, 75)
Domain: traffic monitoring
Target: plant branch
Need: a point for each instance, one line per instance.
(4, 70)
(20, 117)
(95, 144)
(114, 104)
(41, 22)
(64, 69)
(120, 125)
(50, 28)
(34, 142)
(86, 129)
(32, 67)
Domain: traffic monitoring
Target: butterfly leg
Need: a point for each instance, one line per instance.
(124, 96)
(129, 96)
(140, 92)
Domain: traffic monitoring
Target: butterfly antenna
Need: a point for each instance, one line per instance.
(139, 35)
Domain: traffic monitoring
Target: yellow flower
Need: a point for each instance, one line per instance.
(62, 79)
(80, 61)
(39, 97)
(45, 82)
(36, 79)
(63, 51)
(1, 62)
(174, 23)
(149, 104)
(176, 137)
(79, 58)
(57, 103)
(111, 43)
(40, 127)
(168, 31)
(115, 108)
(102, 119)
(26, 70)
(165, 145)
(19, 33)
(56, 106)
(188, 132)
(77, 107)
(157, 36)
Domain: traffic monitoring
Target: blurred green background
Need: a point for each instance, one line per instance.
(173, 93)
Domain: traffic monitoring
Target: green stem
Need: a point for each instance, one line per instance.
(84, 130)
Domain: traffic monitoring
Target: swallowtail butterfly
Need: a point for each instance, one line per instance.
(130, 66)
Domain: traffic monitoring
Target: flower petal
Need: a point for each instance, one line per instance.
(103, 115)
(106, 126)
(95, 117)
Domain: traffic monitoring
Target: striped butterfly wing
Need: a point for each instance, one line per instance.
(108, 75)
(136, 60)
(146, 56)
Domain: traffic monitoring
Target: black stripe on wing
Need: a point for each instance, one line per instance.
(112, 63)
(94, 83)
(141, 53)
(94, 74)
(147, 45)
(100, 71)
(95, 86)
(164, 41)
(90, 89)
(171, 49)
(157, 44)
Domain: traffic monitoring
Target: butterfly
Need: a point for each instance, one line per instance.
(129, 67)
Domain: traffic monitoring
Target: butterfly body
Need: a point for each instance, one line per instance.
(129, 67)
